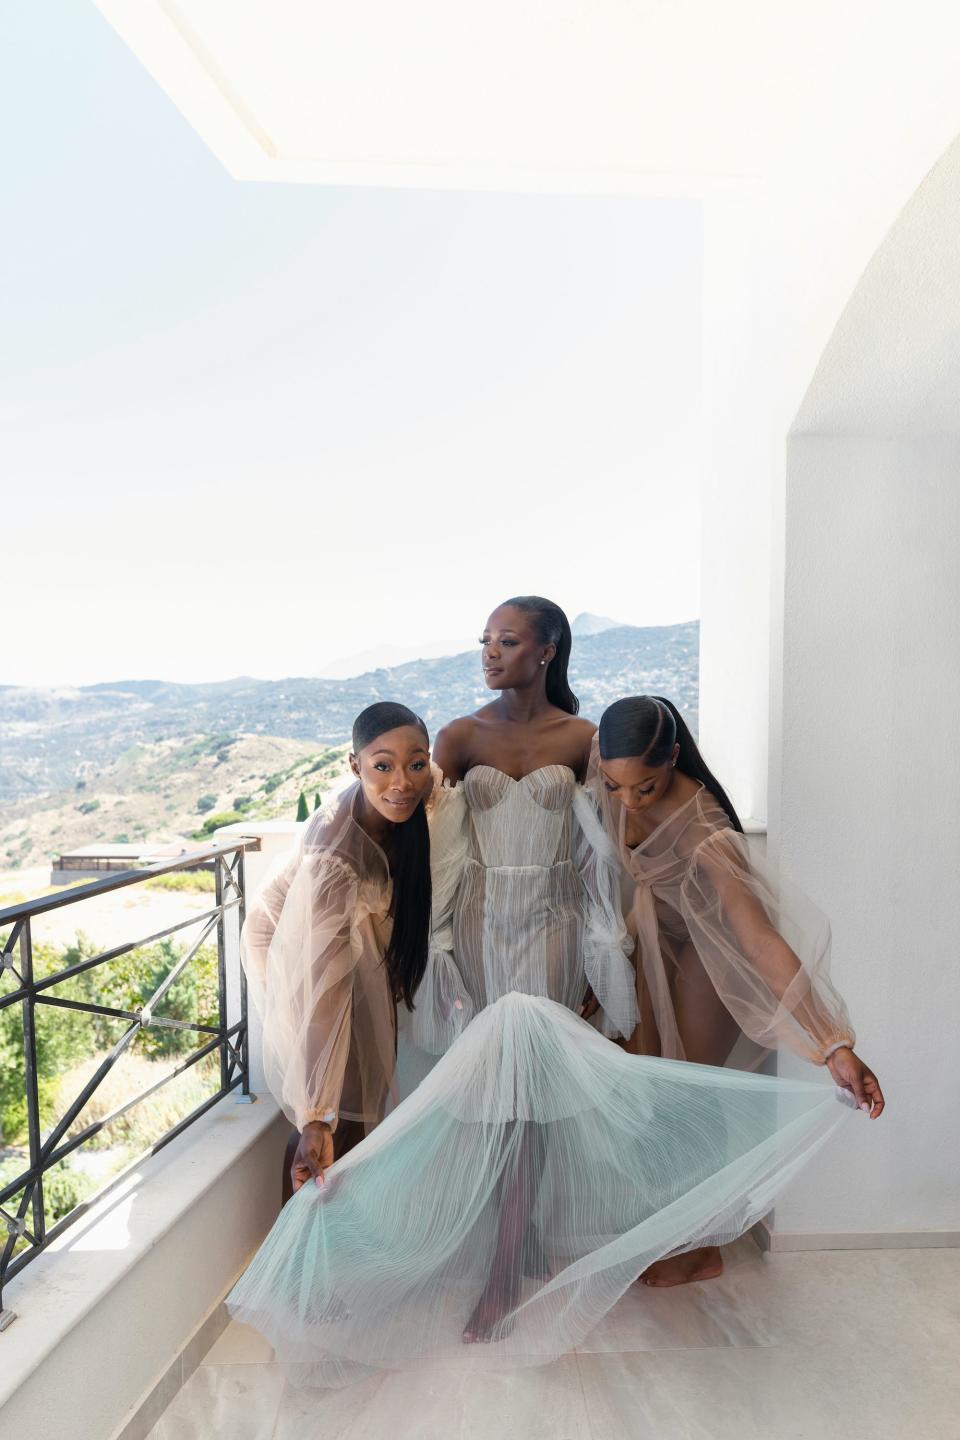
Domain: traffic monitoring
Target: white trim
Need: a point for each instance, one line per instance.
(783, 1242)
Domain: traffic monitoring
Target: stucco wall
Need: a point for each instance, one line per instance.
(869, 822)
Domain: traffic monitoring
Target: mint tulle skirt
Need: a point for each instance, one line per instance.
(531, 1177)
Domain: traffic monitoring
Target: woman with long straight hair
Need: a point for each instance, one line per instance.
(338, 939)
(526, 885)
(729, 962)
(507, 1203)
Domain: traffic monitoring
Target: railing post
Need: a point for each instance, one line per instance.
(33, 1198)
(33, 1091)
(274, 839)
(222, 1020)
(245, 1096)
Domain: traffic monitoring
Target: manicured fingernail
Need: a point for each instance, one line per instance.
(319, 1179)
(866, 1107)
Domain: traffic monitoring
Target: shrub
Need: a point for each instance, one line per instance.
(67, 1038)
(327, 756)
(242, 802)
(142, 1125)
(63, 1190)
(88, 807)
(213, 822)
(205, 803)
(193, 882)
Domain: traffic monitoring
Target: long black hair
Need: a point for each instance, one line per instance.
(551, 627)
(647, 727)
(406, 957)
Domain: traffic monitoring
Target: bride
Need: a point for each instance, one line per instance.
(537, 1169)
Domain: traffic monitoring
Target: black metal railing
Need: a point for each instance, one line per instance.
(25, 1222)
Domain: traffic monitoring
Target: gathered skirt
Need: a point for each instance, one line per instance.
(537, 1168)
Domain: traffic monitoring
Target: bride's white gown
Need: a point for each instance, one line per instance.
(535, 1152)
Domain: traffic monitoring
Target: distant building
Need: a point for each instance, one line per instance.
(94, 861)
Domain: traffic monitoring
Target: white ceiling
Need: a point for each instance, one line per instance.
(617, 95)
(819, 121)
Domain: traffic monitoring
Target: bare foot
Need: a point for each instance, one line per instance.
(703, 1264)
(500, 1294)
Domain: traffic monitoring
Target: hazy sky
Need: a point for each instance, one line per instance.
(255, 428)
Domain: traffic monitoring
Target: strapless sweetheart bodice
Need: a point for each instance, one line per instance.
(520, 822)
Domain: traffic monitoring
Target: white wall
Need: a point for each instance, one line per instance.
(740, 314)
(870, 780)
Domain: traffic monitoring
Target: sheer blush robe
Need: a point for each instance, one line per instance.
(312, 947)
(704, 911)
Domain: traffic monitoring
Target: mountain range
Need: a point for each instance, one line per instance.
(145, 752)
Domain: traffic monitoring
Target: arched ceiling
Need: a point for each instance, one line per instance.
(892, 365)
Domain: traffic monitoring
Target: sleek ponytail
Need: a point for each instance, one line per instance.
(406, 957)
(551, 627)
(646, 727)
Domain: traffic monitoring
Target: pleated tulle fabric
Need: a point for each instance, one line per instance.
(538, 1166)
(701, 906)
(312, 948)
(526, 888)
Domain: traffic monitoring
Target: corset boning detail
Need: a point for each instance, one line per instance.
(518, 921)
(520, 822)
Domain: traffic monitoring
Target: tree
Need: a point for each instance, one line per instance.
(302, 811)
(316, 800)
(205, 803)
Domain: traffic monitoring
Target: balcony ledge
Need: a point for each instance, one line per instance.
(106, 1309)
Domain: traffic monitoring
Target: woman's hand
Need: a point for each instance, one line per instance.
(850, 1073)
(590, 1005)
(314, 1154)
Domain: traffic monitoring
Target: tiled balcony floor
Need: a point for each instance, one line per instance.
(861, 1345)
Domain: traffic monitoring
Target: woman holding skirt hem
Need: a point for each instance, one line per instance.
(730, 962)
(337, 938)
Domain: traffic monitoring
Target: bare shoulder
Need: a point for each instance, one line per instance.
(456, 732)
(451, 747)
(582, 727)
(580, 733)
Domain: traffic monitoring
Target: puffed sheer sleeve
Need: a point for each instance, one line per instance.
(442, 1006)
(300, 947)
(765, 947)
(606, 945)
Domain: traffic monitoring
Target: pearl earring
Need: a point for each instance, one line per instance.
(543, 662)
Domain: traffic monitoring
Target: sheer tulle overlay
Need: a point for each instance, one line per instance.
(526, 897)
(312, 947)
(707, 916)
(536, 1154)
(537, 1169)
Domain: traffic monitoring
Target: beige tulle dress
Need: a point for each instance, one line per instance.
(703, 909)
(312, 948)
